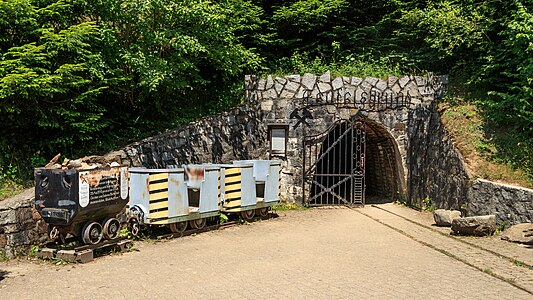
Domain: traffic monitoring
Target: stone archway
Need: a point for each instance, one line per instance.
(353, 162)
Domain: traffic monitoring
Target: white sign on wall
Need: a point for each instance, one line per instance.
(278, 140)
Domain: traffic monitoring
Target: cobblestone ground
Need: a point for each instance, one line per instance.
(318, 253)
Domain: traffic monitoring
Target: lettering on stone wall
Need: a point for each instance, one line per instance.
(374, 100)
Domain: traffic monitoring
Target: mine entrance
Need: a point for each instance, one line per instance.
(353, 162)
(334, 164)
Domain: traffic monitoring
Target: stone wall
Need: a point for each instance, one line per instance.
(20, 225)
(510, 204)
(222, 138)
(436, 168)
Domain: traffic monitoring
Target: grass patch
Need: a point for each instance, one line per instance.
(9, 188)
(288, 206)
(492, 153)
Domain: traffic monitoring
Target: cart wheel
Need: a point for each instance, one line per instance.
(262, 212)
(198, 223)
(248, 215)
(134, 227)
(178, 227)
(111, 228)
(92, 233)
(53, 232)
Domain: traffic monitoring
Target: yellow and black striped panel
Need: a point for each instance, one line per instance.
(158, 199)
(232, 187)
(219, 189)
(279, 184)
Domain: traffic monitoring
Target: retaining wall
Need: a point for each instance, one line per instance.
(511, 204)
(20, 225)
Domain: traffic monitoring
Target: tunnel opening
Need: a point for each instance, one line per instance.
(348, 150)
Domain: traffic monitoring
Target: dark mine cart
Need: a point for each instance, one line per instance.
(82, 202)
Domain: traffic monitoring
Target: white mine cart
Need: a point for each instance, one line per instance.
(266, 181)
(161, 197)
(237, 189)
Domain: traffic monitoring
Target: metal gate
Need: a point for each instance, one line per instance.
(334, 164)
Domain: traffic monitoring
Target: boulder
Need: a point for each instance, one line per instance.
(445, 217)
(478, 225)
(519, 233)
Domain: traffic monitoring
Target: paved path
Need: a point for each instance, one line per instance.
(317, 253)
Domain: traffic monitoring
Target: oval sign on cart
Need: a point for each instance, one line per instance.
(84, 189)
(123, 183)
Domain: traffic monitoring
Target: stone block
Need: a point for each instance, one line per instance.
(286, 94)
(308, 81)
(324, 87)
(261, 84)
(46, 253)
(346, 80)
(267, 105)
(326, 77)
(445, 217)
(301, 93)
(278, 87)
(292, 86)
(421, 81)
(85, 256)
(66, 255)
(18, 239)
(294, 78)
(280, 80)
(269, 95)
(8, 217)
(269, 82)
(403, 81)
(337, 83)
(372, 81)
(477, 226)
(381, 85)
(356, 81)
(391, 81)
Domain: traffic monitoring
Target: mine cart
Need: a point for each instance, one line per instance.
(176, 197)
(237, 189)
(82, 202)
(266, 177)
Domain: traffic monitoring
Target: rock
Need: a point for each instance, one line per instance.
(53, 161)
(478, 225)
(337, 83)
(326, 77)
(73, 164)
(519, 233)
(445, 217)
(308, 81)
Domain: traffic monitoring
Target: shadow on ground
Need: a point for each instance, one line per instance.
(3, 274)
(378, 200)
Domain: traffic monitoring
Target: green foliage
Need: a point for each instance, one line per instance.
(33, 250)
(513, 99)
(223, 218)
(344, 66)
(427, 205)
(80, 77)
